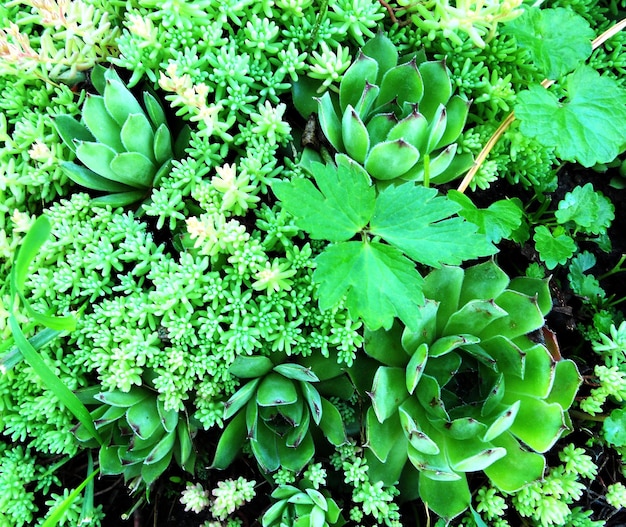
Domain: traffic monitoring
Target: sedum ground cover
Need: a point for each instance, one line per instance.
(302, 263)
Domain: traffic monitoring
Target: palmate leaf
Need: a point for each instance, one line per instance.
(421, 224)
(339, 207)
(378, 282)
(588, 126)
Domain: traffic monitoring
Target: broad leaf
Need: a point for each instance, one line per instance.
(339, 207)
(558, 40)
(589, 126)
(378, 283)
(420, 223)
(554, 247)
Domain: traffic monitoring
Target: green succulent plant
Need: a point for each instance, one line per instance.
(277, 411)
(124, 149)
(302, 506)
(396, 116)
(141, 437)
(468, 389)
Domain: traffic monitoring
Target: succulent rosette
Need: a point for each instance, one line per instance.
(468, 390)
(396, 116)
(124, 147)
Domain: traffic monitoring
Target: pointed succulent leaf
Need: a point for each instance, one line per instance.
(330, 123)
(151, 472)
(119, 101)
(567, 380)
(473, 316)
(240, 397)
(155, 110)
(313, 399)
(494, 397)
(124, 399)
(415, 435)
(415, 367)
(436, 166)
(502, 422)
(383, 51)
(423, 330)
(368, 98)
(274, 513)
(476, 460)
(402, 83)
(296, 458)
(509, 357)
(446, 498)
(518, 468)
(390, 159)
(384, 346)
(435, 466)
(538, 374)
(296, 435)
(89, 179)
(379, 126)
(230, 442)
(276, 390)
(363, 70)
(443, 368)
(413, 129)
(445, 345)
(296, 372)
(318, 498)
(460, 164)
(144, 418)
(71, 131)
(252, 418)
(109, 461)
(102, 126)
(457, 110)
(535, 287)
(438, 87)
(161, 449)
(429, 395)
(169, 418)
(388, 391)
(162, 148)
(250, 367)
(355, 138)
(485, 280)
(436, 129)
(332, 424)
(119, 199)
(464, 428)
(97, 157)
(133, 169)
(383, 437)
(98, 77)
(523, 316)
(137, 135)
(265, 448)
(111, 414)
(538, 424)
